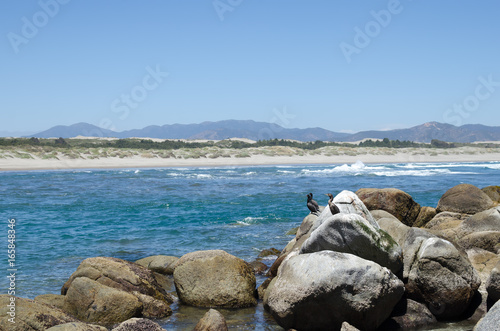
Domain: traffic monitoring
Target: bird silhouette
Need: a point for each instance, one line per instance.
(312, 204)
(333, 207)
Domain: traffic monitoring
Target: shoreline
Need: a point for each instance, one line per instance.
(19, 164)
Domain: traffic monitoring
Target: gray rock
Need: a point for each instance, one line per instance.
(379, 213)
(159, 263)
(487, 240)
(211, 321)
(214, 279)
(138, 324)
(351, 233)
(320, 291)
(392, 200)
(465, 199)
(349, 203)
(436, 272)
(30, 315)
(409, 315)
(77, 326)
(93, 302)
(488, 220)
(55, 300)
(491, 321)
(493, 283)
(394, 228)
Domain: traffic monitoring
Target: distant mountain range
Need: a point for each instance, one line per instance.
(260, 130)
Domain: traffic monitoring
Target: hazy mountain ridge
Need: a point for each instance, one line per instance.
(261, 130)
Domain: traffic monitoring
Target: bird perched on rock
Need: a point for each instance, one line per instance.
(312, 204)
(333, 207)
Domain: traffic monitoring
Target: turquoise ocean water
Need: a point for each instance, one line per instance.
(65, 216)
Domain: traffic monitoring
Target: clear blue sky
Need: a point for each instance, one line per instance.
(341, 65)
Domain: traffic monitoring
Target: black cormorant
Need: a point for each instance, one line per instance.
(333, 207)
(311, 204)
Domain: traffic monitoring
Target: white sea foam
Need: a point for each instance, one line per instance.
(203, 176)
(250, 220)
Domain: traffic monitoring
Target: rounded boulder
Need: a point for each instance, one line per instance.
(214, 278)
(320, 291)
(465, 199)
(392, 200)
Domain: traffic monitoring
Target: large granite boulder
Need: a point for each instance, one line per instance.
(29, 315)
(93, 302)
(214, 279)
(349, 203)
(438, 273)
(159, 263)
(211, 321)
(493, 284)
(493, 192)
(351, 233)
(465, 199)
(392, 200)
(77, 326)
(319, 291)
(121, 275)
(138, 324)
(491, 321)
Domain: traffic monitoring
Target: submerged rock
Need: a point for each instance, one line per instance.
(214, 279)
(465, 199)
(392, 200)
(211, 321)
(30, 315)
(319, 291)
(350, 233)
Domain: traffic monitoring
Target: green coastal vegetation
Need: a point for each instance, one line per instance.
(91, 148)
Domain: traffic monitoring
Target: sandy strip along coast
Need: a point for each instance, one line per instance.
(18, 160)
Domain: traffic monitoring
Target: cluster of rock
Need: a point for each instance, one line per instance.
(387, 262)
(382, 262)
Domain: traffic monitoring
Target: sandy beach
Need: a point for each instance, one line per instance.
(21, 161)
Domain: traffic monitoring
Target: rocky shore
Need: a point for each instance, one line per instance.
(383, 263)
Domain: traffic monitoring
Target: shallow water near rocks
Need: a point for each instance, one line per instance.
(65, 216)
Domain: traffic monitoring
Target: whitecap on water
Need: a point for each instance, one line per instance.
(249, 220)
